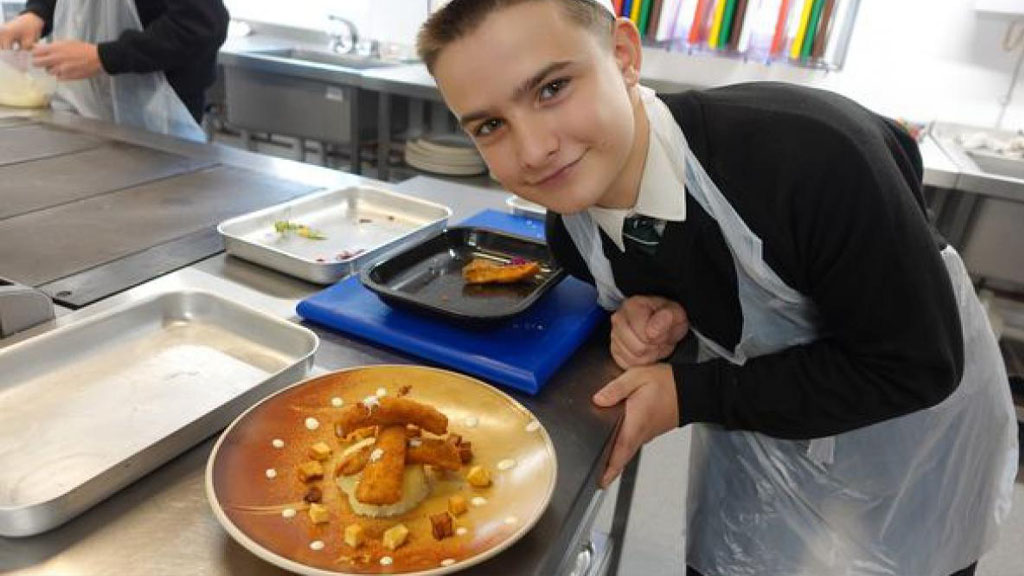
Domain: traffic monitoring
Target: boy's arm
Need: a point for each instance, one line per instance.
(187, 29)
(891, 341)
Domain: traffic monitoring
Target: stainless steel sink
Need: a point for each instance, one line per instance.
(985, 223)
(982, 171)
(349, 61)
(997, 164)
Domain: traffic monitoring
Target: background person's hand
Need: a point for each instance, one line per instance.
(24, 31)
(651, 410)
(646, 329)
(68, 60)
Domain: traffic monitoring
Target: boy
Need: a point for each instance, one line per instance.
(849, 408)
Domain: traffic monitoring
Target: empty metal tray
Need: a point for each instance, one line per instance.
(359, 224)
(93, 405)
(428, 276)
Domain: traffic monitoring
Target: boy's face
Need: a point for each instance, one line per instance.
(551, 106)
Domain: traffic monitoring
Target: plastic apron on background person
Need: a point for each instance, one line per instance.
(138, 100)
(919, 495)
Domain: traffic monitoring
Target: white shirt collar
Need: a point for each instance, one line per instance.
(661, 195)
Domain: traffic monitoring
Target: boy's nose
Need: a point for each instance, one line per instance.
(537, 144)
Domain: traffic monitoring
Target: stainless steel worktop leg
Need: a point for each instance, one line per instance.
(383, 135)
(620, 518)
(354, 125)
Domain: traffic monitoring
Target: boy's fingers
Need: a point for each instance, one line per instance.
(623, 451)
(618, 389)
(659, 325)
(667, 324)
(629, 339)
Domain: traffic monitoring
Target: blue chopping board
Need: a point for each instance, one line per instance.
(522, 352)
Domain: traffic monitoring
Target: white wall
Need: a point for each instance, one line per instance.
(919, 59)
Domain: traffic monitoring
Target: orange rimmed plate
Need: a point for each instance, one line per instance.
(265, 512)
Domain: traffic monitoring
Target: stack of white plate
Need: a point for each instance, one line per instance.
(451, 154)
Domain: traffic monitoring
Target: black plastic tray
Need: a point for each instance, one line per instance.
(428, 276)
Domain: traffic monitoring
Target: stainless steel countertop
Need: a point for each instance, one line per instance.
(162, 523)
(413, 81)
(404, 79)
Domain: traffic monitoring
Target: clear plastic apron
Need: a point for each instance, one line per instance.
(918, 495)
(139, 100)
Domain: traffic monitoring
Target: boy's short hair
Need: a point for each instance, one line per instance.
(460, 17)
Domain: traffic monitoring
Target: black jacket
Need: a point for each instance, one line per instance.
(179, 37)
(834, 192)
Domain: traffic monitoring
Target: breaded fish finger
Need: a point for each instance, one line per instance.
(387, 411)
(382, 478)
(433, 451)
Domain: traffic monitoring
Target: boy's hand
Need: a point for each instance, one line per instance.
(68, 60)
(24, 31)
(646, 329)
(651, 410)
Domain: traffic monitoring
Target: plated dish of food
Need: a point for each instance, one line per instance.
(382, 469)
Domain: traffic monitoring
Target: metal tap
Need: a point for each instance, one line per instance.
(343, 34)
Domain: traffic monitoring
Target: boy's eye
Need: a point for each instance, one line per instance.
(487, 126)
(551, 89)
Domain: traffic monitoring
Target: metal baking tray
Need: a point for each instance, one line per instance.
(91, 406)
(523, 207)
(360, 224)
(428, 276)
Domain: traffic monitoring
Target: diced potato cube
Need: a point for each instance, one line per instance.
(309, 471)
(318, 513)
(320, 451)
(457, 505)
(395, 536)
(441, 526)
(354, 535)
(478, 476)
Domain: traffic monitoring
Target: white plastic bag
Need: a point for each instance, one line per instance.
(21, 84)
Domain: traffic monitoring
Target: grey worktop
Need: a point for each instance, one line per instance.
(162, 523)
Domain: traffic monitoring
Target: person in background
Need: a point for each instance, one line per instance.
(142, 63)
(848, 403)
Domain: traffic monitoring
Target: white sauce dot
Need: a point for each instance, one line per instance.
(415, 442)
(337, 402)
(271, 473)
(386, 561)
(371, 402)
(312, 423)
(316, 545)
(533, 426)
(471, 421)
(478, 501)
(461, 531)
(376, 454)
(506, 464)
(447, 562)
(511, 520)
(381, 392)
(288, 512)
(277, 443)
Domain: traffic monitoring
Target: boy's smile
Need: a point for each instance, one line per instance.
(553, 108)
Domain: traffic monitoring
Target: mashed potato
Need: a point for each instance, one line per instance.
(415, 488)
(21, 89)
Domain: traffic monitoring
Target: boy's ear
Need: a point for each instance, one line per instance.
(627, 49)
